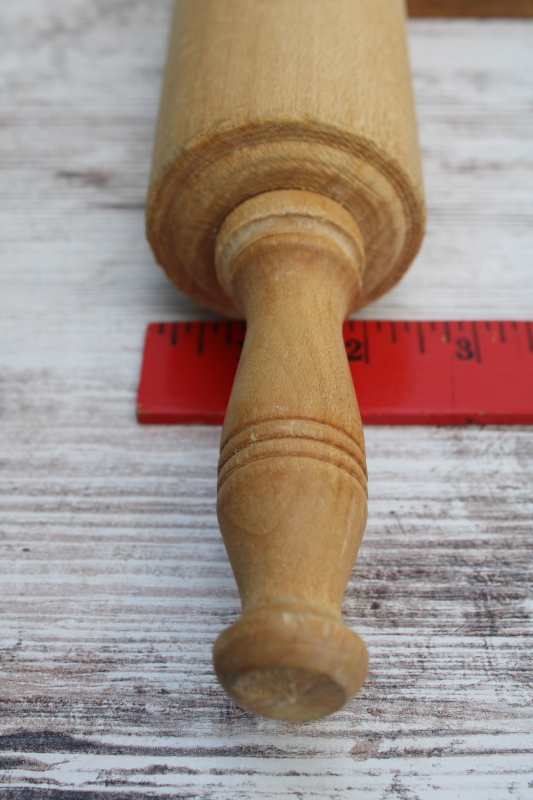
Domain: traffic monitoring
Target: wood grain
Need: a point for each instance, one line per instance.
(288, 131)
(292, 483)
(114, 578)
(245, 110)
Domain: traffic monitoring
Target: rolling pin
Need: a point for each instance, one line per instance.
(286, 188)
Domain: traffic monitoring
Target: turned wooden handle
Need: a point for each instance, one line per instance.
(292, 473)
(286, 188)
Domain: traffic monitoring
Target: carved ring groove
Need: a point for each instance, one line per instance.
(299, 438)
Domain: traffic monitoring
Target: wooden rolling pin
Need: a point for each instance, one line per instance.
(286, 188)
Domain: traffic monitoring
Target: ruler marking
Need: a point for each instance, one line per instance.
(476, 343)
(529, 335)
(501, 386)
(351, 325)
(460, 325)
(406, 326)
(200, 345)
(421, 343)
(365, 342)
(215, 327)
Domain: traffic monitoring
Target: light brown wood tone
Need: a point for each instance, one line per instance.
(113, 570)
(287, 141)
(470, 8)
(283, 94)
(292, 473)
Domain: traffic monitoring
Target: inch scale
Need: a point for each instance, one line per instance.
(404, 373)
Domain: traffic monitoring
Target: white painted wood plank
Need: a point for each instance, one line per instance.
(113, 578)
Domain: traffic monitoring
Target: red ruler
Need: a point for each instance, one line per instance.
(405, 373)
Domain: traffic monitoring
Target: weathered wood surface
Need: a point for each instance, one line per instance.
(114, 580)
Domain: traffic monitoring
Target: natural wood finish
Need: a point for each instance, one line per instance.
(292, 472)
(470, 8)
(113, 573)
(290, 130)
(285, 95)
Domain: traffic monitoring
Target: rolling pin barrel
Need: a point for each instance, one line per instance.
(286, 188)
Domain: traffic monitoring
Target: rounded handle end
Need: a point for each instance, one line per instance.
(290, 663)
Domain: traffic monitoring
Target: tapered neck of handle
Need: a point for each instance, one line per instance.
(292, 261)
(292, 220)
